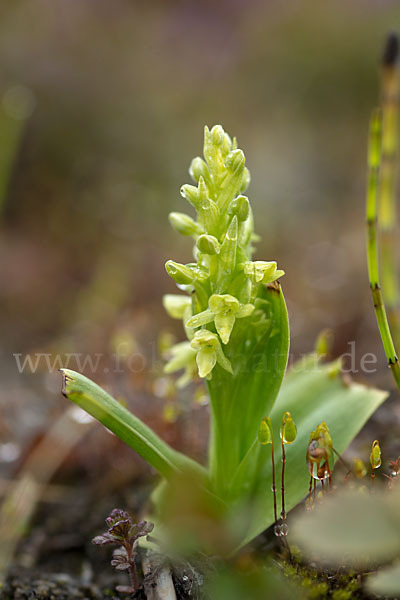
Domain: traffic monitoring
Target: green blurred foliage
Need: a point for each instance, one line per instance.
(251, 583)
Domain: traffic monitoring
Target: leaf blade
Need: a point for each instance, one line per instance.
(239, 402)
(311, 395)
(131, 430)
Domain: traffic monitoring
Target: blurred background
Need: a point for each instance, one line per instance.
(102, 107)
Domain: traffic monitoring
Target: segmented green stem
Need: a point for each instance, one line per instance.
(387, 182)
(374, 161)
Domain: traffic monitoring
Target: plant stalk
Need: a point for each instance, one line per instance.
(374, 162)
(273, 480)
(132, 567)
(390, 89)
(283, 513)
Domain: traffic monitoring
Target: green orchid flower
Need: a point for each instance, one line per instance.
(182, 356)
(209, 352)
(223, 310)
(177, 305)
(261, 271)
(184, 224)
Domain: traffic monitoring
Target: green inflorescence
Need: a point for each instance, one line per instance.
(223, 282)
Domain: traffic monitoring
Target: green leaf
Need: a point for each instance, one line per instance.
(131, 430)
(312, 394)
(241, 400)
(242, 482)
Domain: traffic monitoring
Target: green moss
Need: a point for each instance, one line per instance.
(316, 585)
(354, 585)
(342, 595)
(290, 571)
(318, 590)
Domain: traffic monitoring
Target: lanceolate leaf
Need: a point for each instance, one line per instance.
(312, 395)
(94, 400)
(239, 402)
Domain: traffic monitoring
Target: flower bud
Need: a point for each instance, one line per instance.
(240, 207)
(207, 208)
(245, 180)
(199, 272)
(217, 135)
(208, 148)
(198, 168)
(235, 161)
(208, 244)
(227, 144)
(204, 198)
(191, 194)
(184, 224)
(179, 273)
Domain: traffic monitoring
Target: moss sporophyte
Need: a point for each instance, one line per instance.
(237, 340)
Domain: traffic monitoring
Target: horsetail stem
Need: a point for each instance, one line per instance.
(390, 90)
(374, 162)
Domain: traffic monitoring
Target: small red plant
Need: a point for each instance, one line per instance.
(122, 531)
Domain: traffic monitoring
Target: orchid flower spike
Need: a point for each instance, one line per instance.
(224, 284)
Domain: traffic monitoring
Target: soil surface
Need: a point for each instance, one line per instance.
(57, 561)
